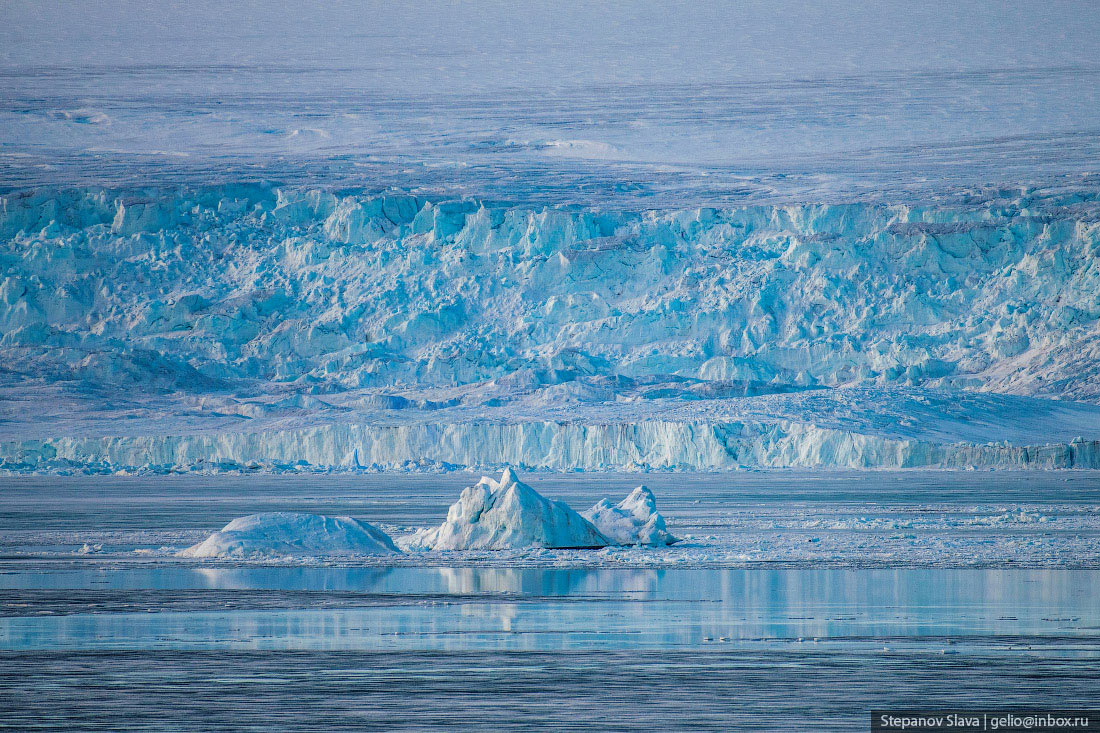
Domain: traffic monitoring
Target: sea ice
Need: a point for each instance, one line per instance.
(509, 514)
(287, 533)
(633, 521)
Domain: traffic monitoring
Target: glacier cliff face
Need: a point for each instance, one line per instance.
(349, 313)
(533, 445)
(321, 290)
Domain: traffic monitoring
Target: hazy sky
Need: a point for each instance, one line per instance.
(507, 42)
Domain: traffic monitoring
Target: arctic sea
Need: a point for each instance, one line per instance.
(794, 598)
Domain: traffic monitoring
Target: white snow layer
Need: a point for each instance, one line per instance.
(570, 101)
(633, 521)
(509, 514)
(286, 533)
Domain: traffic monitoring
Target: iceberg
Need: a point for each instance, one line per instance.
(287, 533)
(509, 514)
(633, 521)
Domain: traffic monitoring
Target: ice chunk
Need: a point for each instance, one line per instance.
(633, 521)
(506, 514)
(287, 533)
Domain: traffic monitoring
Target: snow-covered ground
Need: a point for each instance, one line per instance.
(560, 101)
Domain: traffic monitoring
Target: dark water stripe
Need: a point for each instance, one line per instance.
(619, 691)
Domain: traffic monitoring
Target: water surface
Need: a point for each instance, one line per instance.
(795, 600)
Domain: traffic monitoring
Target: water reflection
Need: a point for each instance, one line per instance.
(538, 608)
(368, 579)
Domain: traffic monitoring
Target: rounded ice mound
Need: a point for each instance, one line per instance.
(633, 521)
(287, 533)
(509, 514)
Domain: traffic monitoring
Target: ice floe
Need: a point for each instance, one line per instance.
(633, 521)
(287, 533)
(508, 514)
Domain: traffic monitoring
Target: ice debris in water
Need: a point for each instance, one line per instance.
(287, 533)
(633, 521)
(509, 514)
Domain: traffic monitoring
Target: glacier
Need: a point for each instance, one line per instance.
(257, 327)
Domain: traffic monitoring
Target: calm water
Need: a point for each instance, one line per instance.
(774, 612)
(538, 609)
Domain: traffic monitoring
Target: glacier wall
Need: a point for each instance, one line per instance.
(656, 445)
(203, 289)
(126, 314)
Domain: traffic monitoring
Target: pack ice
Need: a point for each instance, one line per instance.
(509, 514)
(286, 533)
(633, 521)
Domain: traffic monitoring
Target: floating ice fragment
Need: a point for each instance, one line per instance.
(82, 116)
(633, 521)
(287, 533)
(509, 514)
